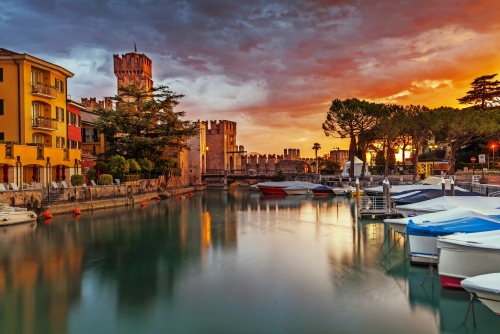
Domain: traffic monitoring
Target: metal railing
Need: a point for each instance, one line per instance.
(44, 123)
(38, 88)
(373, 204)
(90, 139)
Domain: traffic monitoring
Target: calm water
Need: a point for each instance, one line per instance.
(221, 262)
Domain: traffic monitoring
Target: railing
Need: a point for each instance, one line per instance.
(373, 203)
(90, 139)
(44, 123)
(44, 90)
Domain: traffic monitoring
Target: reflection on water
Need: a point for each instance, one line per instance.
(221, 262)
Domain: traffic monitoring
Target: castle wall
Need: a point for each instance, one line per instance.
(133, 68)
(222, 153)
(197, 154)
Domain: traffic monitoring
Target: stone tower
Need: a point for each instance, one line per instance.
(133, 68)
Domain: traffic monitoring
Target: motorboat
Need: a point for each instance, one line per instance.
(449, 202)
(340, 191)
(422, 237)
(432, 183)
(467, 255)
(399, 224)
(14, 215)
(297, 190)
(322, 191)
(427, 194)
(487, 289)
(276, 188)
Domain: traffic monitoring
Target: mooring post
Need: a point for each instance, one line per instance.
(358, 197)
(443, 186)
(388, 196)
(452, 184)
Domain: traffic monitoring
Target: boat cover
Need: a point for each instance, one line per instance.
(471, 224)
(286, 184)
(323, 188)
(481, 241)
(397, 189)
(449, 202)
(489, 283)
(405, 194)
(430, 194)
(440, 216)
(296, 187)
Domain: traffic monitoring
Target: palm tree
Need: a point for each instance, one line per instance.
(316, 147)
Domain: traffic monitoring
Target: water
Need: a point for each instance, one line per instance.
(221, 262)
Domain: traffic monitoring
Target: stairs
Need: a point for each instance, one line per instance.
(54, 197)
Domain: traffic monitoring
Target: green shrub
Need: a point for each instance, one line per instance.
(105, 179)
(118, 165)
(77, 180)
(133, 166)
(91, 174)
(128, 178)
(146, 165)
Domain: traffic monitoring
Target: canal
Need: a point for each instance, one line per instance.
(222, 262)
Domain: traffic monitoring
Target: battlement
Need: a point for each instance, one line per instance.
(291, 154)
(133, 68)
(221, 127)
(91, 104)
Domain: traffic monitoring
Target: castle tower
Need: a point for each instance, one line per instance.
(133, 68)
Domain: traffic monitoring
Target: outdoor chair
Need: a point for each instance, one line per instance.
(64, 184)
(37, 185)
(14, 186)
(93, 183)
(54, 185)
(117, 181)
(2, 187)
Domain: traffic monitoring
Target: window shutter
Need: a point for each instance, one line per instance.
(62, 87)
(1, 106)
(57, 113)
(62, 113)
(1, 74)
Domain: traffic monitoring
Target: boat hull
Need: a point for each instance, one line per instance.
(323, 193)
(11, 218)
(490, 300)
(297, 191)
(400, 228)
(272, 191)
(423, 250)
(454, 266)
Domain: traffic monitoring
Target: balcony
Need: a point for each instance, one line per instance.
(90, 139)
(43, 90)
(43, 123)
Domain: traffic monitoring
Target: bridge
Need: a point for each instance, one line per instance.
(235, 175)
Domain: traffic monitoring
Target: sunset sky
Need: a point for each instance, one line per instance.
(271, 66)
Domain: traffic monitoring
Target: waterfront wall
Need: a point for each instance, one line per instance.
(31, 198)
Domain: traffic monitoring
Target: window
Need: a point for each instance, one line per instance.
(59, 86)
(36, 110)
(60, 114)
(1, 106)
(2, 137)
(37, 138)
(36, 77)
(1, 74)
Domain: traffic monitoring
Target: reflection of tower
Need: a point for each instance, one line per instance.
(133, 68)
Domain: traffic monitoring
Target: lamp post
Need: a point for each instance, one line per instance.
(371, 161)
(336, 149)
(493, 147)
(433, 148)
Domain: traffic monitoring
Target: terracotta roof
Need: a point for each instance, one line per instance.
(5, 52)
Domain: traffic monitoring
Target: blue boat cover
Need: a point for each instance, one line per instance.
(459, 225)
(427, 195)
(323, 188)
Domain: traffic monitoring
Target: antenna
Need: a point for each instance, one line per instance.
(135, 47)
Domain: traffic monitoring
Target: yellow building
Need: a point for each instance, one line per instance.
(33, 125)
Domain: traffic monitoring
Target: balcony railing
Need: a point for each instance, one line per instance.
(44, 123)
(90, 139)
(43, 90)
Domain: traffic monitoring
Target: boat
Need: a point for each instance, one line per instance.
(276, 188)
(422, 237)
(449, 202)
(487, 289)
(340, 191)
(427, 194)
(467, 255)
(14, 215)
(432, 183)
(322, 191)
(399, 224)
(297, 190)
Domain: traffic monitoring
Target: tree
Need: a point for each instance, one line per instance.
(417, 124)
(118, 165)
(134, 166)
(387, 130)
(144, 123)
(461, 128)
(348, 119)
(316, 147)
(485, 92)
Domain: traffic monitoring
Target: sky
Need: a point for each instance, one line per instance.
(274, 67)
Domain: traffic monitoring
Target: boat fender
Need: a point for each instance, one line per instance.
(77, 212)
(6, 218)
(33, 215)
(47, 215)
(143, 203)
(181, 197)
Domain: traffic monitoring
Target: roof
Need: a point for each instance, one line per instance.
(357, 161)
(89, 117)
(5, 52)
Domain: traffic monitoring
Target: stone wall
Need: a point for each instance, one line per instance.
(23, 198)
(197, 154)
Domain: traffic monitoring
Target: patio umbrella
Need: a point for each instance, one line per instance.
(58, 172)
(103, 169)
(5, 173)
(63, 173)
(97, 172)
(35, 173)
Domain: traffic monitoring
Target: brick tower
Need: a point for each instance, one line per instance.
(133, 68)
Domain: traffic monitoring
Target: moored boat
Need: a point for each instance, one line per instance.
(277, 188)
(322, 191)
(449, 202)
(487, 289)
(14, 215)
(297, 190)
(467, 255)
(431, 183)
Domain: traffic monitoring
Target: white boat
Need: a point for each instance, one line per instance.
(467, 255)
(277, 188)
(399, 224)
(14, 215)
(297, 190)
(449, 202)
(340, 191)
(487, 289)
(432, 182)
(422, 237)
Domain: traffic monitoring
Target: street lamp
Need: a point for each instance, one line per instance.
(493, 147)
(433, 148)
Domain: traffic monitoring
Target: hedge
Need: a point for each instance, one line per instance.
(77, 180)
(106, 179)
(128, 178)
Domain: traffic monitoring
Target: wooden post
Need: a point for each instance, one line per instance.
(91, 202)
(358, 197)
(388, 196)
(443, 186)
(452, 184)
